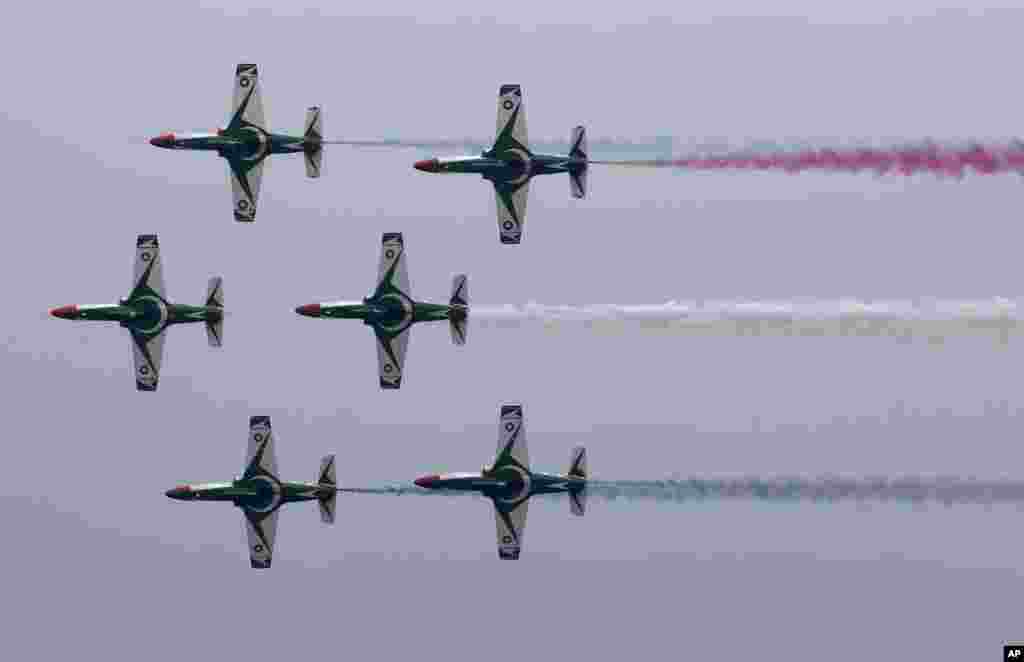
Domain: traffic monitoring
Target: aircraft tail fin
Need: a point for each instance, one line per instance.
(578, 172)
(327, 479)
(313, 135)
(578, 469)
(457, 316)
(215, 299)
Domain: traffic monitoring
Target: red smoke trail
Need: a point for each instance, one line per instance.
(950, 161)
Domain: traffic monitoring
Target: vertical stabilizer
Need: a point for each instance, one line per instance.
(215, 299)
(459, 313)
(313, 135)
(578, 171)
(327, 479)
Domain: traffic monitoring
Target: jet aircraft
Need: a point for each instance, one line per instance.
(147, 312)
(260, 493)
(390, 311)
(246, 142)
(509, 483)
(509, 164)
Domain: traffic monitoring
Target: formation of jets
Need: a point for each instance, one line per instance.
(390, 311)
(259, 493)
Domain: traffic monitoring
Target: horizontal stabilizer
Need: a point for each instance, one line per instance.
(578, 501)
(328, 479)
(578, 469)
(578, 169)
(314, 161)
(215, 299)
(578, 463)
(314, 137)
(458, 315)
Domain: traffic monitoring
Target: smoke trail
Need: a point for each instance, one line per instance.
(941, 490)
(903, 319)
(941, 160)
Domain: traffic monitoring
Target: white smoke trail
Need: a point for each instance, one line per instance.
(932, 318)
(916, 489)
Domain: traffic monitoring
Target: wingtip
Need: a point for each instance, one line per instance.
(392, 236)
(146, 239)
(509, 410)
(259, 420)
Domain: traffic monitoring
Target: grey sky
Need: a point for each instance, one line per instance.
(98, 558)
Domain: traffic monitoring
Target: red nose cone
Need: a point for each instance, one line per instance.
(65, 312)
(309, 310)
(427, 165)
(163, 140)
(427, 481)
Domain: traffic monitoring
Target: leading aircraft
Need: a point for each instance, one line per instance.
(246, 142)
(147, 312)
(391, 311)
(260, 493)
(509, 164)
(509, 483)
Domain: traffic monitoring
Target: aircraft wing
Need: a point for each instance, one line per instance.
(246, 177)
(512, 438)
(511, 522)
(259, 457)
(148, 273)
(260, 530)
(391, 357)
(147, 353)
(511, 129)
(511, 198)
(392, 273)
(247, 106)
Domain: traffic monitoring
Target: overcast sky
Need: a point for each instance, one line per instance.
(97, 558)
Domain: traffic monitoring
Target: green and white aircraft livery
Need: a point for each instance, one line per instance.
(246, 142)
(509, 164)
(260, 493)
(391, 311)
(509, 483)
(147, 312)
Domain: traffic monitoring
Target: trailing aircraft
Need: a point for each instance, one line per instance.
(147, 312)
(391, 311)
(260, 493)
(246, 142)
(510, 483)
(509, 164)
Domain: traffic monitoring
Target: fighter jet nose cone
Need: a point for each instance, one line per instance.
(163, 140)
(65, 312)
(427, 165)
(426, 481)
(181, 493)
(309, 310)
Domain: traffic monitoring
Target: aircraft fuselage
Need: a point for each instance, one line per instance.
(257, 493)
(504, 483)
(245, 143)
(503, 167)
(390, 311)
(145, 314)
